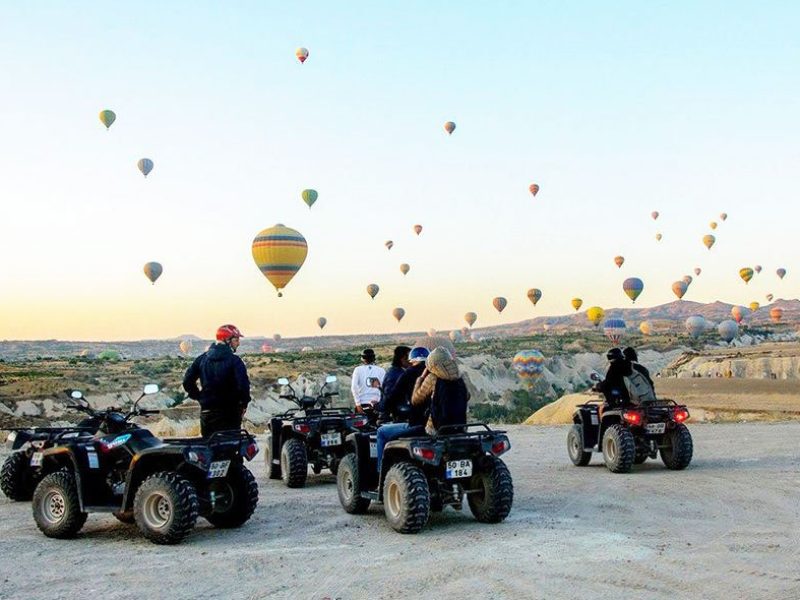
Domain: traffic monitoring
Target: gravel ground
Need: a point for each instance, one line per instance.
(727, 527)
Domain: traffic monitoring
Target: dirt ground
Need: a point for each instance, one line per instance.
(758, 395)
(727, 527)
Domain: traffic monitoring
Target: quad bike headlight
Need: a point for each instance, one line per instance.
(12, 437)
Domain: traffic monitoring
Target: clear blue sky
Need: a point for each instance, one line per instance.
(614, 108)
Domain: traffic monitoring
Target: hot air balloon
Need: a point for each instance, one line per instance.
(450, 127)
(697, 271)
(306, 349)
(398, 313)
(277, 337)
(770, 297)
(372, 290)
(757, 269)
(595, 315)
(528, 364)
(185, 346)
(404, 268)
(632, 287)
(465, 332)
(723, 216)
(388, 244)
(279, 252)
(576, 303)
(679, 288)
(417, 229)
(645, 327)
(619, 260)
(776, 314)
(614, 329)
(145, 166)
(499, 303)
(728, 330)
(658, 237)
(322, 321)
(781, 273)
(470, 318)
(455, 336)
(153, 271)
(266, 348)
(431, 332)
(713, 224)
(533, 188)
(754, 306)
(687, 279)
(534, 295)
(107, 118)
(708, 240)
(654, 215)
(746, 273)
(695, 325)
(309, 197)
(737, 312)
(301, 54)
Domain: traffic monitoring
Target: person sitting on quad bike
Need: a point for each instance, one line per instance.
(441, 387)
(613, 386)
(630, 355)
(365, 394)
(400, 363)
(225, 388)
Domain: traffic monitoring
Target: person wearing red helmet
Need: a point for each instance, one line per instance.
(224, 390)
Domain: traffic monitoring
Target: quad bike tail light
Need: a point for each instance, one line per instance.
(250, 451)
(632, 417)
(359, 421)
(680, 415)
(302, 427)
(500, 447)
(198, 458)
(428, 454)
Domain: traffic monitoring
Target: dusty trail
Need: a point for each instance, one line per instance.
(727, 527)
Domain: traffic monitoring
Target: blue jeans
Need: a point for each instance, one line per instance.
(387, 433)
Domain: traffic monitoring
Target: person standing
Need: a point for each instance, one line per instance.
(363, 385)
(224, 391)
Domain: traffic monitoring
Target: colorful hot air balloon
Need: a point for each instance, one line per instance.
(695, 325)
(301, 54)
(679, 288)
(619, 261)
(754, 306)
(645, 327)
(723, 216)
(614, 329)
(470, 318)
(404, 268)
(533, 188)
(417, 229)
(776, 314)
(107, 118)
(309, 197)
(737, 312)
(713, 224)
(388, 244)
(534, 295)
(266, 348)
(398, 313)
(279, 252)
(499, 303)
(781, 273)
(757, 269)
(528, 364)
(697, 271)
(145, 166)
(153, 271)
(595, 315)
(372, 290)
(450, 127)
(576, 303)
(654, 215)
(746, 273)
(632, 287)
(658, 237)
(687, 279)
(708, 240)
(455, 336)
(322, 321)
(728, 330)
(770, 297)
(277, 337)
(185, 346)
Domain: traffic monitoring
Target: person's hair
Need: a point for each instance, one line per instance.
(630, 354)
(368, 355)
(400, 353)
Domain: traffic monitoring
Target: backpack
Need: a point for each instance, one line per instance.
(639, 389)
(449, 403)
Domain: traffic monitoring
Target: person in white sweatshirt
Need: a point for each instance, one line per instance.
(365, 377)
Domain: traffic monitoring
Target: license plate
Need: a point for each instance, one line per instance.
(331, 439)
(218, 468)
(458, 468)
(594, 420)
(655, 428)
(373, 449)
(36, 459)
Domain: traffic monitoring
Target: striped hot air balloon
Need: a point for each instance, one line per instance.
(279, 252)
(528, 364)
(679, 288)
(614, 330)
(153, 270)
(145, 166)
(372, 290)
(632, 287)
(499, 303)
(309, 197)
(107, 118)
(534, 295)
(746, 273)
(470, 318)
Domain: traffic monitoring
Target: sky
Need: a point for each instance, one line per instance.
(615, 109)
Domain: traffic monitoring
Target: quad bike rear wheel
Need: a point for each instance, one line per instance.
(406, 498)
(165, 508)
(493, 502)
(56, 507)
(677, 453)
(575, 450)
(619, 449)
(273, 470)
(17, 478)
(294, 463)
(236, 498)
(348, 486)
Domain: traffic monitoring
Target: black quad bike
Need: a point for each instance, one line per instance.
(630, 435)
(423, 473)
(161, 485)
(311, 434)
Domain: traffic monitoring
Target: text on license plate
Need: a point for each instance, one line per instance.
(373, 449)
(330, 439)
(218, 468)
(655, 428)
(36, 459)
(458, 468)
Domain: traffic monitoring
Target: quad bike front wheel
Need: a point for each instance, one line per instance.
(236, 498)
(348, 486)
(492, 502)
(406, 498)
(56, 507)
(619, 449)
(165, 508)
(575, 450)
(676, 454)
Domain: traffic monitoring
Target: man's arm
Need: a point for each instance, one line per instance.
(242, 383)
(190, 379)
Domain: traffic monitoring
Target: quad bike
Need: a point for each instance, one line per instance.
(629, 435)
(311, 434)
(161, 485)
(423, 473)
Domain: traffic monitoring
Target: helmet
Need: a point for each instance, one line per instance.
(418, 353)
(614, 354)
(226, 332)
(630, 354)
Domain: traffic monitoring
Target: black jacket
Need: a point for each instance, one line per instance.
(224, 385)
(401, 396)
(613, 386)
(390, 380)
